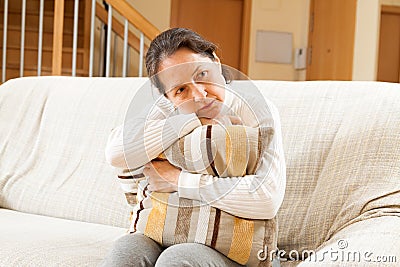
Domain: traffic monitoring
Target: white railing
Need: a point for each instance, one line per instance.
(108, 53)
(40, 38)
(5, 24)
(120, 26)
(75, 38)
(22, 53)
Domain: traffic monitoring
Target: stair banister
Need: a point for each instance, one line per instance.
(92, 10)
(141, 54)
(40, 38)
(108, 46)
(22, 46)
(124, 58)
(91, 50)
(5, 21)
(58, 37)
(75, 37)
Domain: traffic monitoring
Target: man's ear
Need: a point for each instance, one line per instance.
(216, 58)
(218, 61)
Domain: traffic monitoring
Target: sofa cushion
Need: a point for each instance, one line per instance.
(33, 240)
(361, 243)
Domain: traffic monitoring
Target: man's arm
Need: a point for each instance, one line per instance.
(142, 138)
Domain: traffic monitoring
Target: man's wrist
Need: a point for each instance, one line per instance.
(189, 185)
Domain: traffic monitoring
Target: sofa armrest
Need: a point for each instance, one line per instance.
(371, 242)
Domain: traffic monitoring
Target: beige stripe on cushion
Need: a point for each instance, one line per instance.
(242, 240)
(170, 220)
(155, 223)
(182, 223)
(176, 154)
(219, 151)
(224, 240)
(236, 162)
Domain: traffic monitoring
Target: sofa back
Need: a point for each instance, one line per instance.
(342, 149)
(341, 141)
(53, 132)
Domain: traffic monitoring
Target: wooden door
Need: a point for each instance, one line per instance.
(389, 45)
(223, 22)
(331, 39)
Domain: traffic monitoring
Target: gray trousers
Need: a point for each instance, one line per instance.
(139, 250)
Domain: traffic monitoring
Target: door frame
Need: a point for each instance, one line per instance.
(246, 28)
(388, 10)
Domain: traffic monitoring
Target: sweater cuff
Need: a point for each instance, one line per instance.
(189, 185)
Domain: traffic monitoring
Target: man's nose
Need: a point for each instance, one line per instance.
(198, 91)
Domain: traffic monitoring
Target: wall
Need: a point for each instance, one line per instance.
(366, 43)
(158, 12)
(283, 16)
(366, 40)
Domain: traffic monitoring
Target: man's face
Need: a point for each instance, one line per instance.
(193, 83)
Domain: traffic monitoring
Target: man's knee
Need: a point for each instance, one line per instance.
(176, 255)
(133, 250)
(193, 255)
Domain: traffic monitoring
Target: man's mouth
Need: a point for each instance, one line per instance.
(208, 105)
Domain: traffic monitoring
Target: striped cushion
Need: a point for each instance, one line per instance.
(220, 151)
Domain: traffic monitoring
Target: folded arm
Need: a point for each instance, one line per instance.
(143, 137)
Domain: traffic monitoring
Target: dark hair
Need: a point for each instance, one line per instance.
(168, 42)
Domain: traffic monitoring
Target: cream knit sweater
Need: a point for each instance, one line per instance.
(143, 137)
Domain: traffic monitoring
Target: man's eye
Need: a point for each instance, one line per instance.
(202, 74)
(180, 90)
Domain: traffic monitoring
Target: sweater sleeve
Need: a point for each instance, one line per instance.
(143, 137)
(263, 191)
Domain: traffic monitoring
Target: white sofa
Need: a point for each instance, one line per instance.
(60, 204)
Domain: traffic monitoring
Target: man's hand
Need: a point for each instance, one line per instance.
(207, 121)
(162, 176)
